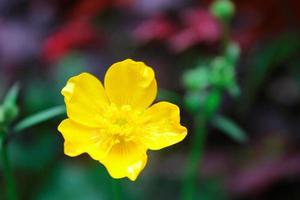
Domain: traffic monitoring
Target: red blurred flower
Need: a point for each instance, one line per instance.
(196, 26)
(88, 8)
(158, 28)
(76, 33)
(199, 26)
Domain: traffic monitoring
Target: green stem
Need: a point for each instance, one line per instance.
(194, 158)
(7, 171)
(226, 35)
(116, 188)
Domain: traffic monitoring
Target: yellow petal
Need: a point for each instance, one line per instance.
(85, 99)
(125, 159)
(80, 139)
(130, 83)
(161, 126)
(73, 150)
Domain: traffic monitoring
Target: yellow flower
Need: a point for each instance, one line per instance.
(114, 124)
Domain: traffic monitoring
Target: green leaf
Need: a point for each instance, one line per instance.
(12, 94)
(230, 128)
(212, 102)
(39, 117)
(9, 109)
(2, 116)
(234, 89)
(261, 64)
(232, 52)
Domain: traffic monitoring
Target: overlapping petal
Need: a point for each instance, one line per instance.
(81, 139)
(126, 159)
(85, 99)
(161, 126)
(130, 83)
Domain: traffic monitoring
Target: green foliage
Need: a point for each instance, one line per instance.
(205, 83)
(39, 117)
(193, 101)
(2, 115)
(196, 79)
(232, 53)
(230, 128)
(212, 103)
(222, 73)
(38, 152)
(9, 109)
(266, 60)
(75, 181)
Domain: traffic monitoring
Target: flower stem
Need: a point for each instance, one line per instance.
(116, 188)
(226, 35)
(7, 171)
(194, 158)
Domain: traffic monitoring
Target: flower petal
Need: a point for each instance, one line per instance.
(161, 126)
(130, 83)
(80, 139)
(85, 99)
(125, 159)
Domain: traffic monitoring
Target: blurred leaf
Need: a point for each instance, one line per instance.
(212, 102)
(39, 117)
(11, 112)
(71, 65)
(234, 89)
(193, 101)
(264, 61)
(2, 116)
(232, 53)
(41, 97)
(37, 152)
(223, 72)
(10, 108)
(12, 94)
(230, 128)
(70, 181)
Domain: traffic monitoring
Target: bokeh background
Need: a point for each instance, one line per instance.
(45, 42)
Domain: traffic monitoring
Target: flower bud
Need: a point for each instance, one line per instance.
(11, 112)
(232, 52)
(196, 79)
(222, 9)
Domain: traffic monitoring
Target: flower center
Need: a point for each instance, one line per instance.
(121, 123)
